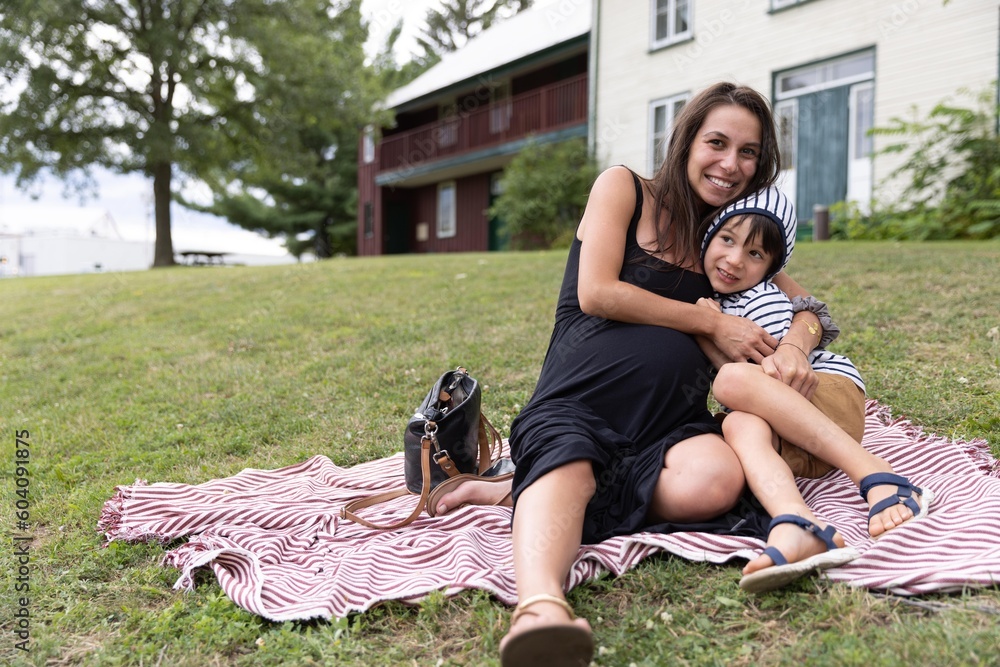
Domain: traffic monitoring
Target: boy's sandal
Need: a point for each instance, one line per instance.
(783, 572)
(560, 645)
(904, 496)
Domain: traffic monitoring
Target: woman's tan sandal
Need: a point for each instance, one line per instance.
(522, 606)
(452, 483)
(547, 645)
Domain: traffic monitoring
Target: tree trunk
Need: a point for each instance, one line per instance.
(163, 253)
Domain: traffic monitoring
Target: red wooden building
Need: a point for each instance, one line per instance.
(427, 185)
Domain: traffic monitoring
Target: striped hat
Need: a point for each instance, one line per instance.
(769, 202)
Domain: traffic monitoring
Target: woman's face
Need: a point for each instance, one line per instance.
(724, 154)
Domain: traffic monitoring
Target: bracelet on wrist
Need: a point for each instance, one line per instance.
(795, 346)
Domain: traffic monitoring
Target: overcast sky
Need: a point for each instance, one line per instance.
(127, 200)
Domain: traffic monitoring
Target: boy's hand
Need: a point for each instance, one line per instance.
(791, 366)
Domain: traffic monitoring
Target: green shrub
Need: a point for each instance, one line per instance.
(545, 190)
(951, 176)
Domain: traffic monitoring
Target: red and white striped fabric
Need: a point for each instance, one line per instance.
(279, 549)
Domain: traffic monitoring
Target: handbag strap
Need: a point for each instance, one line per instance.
(348, 511)
(489, 446)
(489, 443)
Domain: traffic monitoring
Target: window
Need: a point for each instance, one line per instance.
(368, 145)
(661, 120)
(671, 22)
(841, 72)
(369, 220)
(786, 116)
(448, 128)
(446, 210)
(500, 108)
(862, 121)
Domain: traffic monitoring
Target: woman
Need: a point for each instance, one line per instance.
(617, 437)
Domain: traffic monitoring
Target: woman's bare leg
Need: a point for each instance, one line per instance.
(548, 526)
(701, 479)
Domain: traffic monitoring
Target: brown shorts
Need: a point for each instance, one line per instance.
(843, 402)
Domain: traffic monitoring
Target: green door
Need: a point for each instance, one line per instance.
(821, 169)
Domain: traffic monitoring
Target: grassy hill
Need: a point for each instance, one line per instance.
(189, 374)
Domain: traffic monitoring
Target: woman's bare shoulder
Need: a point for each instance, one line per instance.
(611, 199)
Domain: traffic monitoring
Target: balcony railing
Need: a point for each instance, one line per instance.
(545, 109)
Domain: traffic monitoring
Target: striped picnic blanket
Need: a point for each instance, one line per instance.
(276, 543)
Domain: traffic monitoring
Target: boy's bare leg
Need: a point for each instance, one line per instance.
(746, 388)
(772, 482)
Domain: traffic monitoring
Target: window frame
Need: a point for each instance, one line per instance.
(446, 229)
(368, 219)
(659, 143)
(853, 133)
(672, 36)
(788, 161)
(827, 76)
(368, 145)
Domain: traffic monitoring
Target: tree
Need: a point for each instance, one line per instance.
(390, 72)
(544, 192)
(451, 26)
(154, 87)
(301, 182)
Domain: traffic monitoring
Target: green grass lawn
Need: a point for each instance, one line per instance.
(185, 375)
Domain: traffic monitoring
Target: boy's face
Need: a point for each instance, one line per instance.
(731, 264)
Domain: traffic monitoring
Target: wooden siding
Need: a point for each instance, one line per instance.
(544, 109)
(419, 206)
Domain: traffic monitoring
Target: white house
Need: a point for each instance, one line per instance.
(831, 68)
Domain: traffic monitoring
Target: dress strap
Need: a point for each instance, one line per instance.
(633, 225)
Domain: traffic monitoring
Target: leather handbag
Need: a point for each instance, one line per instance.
(448, 435)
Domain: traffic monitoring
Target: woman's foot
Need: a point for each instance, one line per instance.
(471, 490)
(793, 542)
(544, 632)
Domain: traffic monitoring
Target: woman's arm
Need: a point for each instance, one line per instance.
(603, 234)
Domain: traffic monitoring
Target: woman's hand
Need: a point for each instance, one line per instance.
(737, 338)
(742, 340)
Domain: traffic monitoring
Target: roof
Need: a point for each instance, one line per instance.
(545, 25)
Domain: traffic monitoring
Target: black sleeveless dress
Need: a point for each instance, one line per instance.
(620, 395)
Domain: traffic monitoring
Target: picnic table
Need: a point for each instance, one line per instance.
(202, 258)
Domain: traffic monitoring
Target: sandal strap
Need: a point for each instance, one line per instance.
(905, 487)
(824, 534)
(522, 607)
(776, 556)
(901, 498)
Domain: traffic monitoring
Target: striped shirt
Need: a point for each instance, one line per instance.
(770, 308)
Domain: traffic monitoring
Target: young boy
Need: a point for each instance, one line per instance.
(748, 243)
